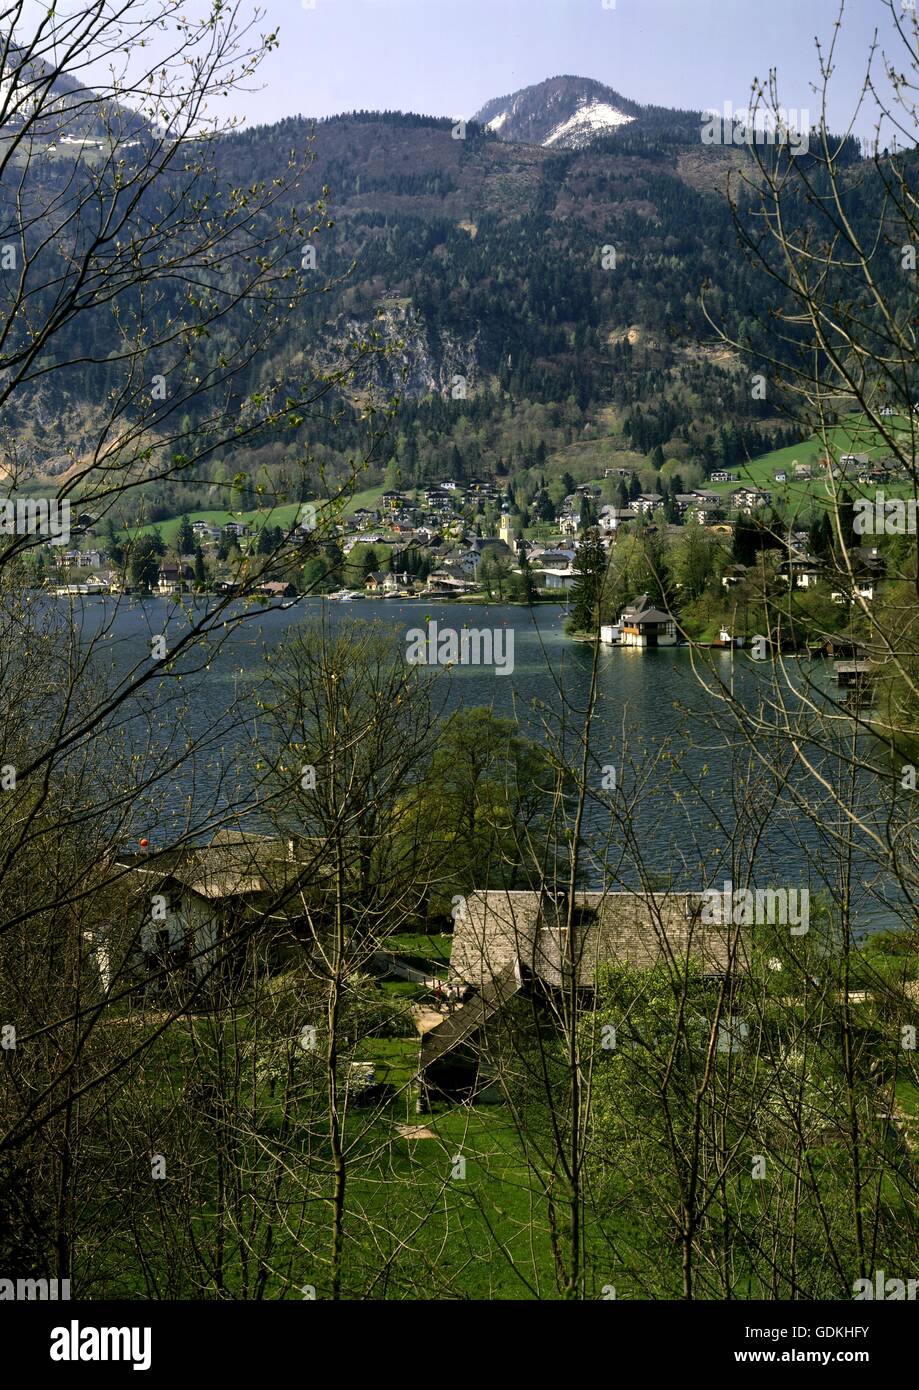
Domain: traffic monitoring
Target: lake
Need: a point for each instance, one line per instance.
(690, 807)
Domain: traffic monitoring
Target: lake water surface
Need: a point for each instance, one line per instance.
(688, 813)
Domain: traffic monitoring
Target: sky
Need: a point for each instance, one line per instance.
(448, 57)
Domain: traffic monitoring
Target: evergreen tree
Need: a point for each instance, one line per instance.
(269, 538)
(145, 560)
(745, 541)
(820, 535)
(185, 538)
(113, 543)
(527, 582)
(847, 520)
(590, 564)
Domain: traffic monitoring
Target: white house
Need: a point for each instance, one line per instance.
(612, 517)
(557, 577)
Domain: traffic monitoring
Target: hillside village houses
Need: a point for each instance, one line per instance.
(750, 499)
(437, 524)
(453, 538)
(380, 583)
(800, 570)
(555, 569)
(171, 578)
(611, 517)
(92, 559)
(646, 503)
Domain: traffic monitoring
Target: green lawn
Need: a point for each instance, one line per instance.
(284, 515)
(395, 1059)
(851, 436)
(369, 498)
(433, 947)
(420, 1223)
(402, 989)
(480, 1235)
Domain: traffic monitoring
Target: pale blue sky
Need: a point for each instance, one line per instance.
(448, 57)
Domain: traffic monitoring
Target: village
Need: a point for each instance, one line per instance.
(474, 541)
(459, 647)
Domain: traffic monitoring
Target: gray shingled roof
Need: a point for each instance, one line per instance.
(642, 610)
(471, 1017)
(235, 864)
(501, 927)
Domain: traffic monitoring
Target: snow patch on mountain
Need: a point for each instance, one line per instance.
(498, 122)
(591, 118)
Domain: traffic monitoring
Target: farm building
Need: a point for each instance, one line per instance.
(507, 943)
(192, 909)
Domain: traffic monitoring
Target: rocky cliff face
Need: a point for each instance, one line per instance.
(415, 360)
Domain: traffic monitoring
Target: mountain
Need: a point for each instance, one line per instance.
(570, 113)
(560, 282)
(567, 112)
(57, 109)
(480, 258)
